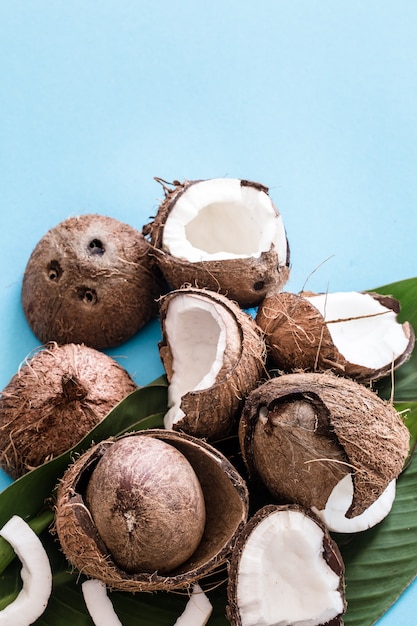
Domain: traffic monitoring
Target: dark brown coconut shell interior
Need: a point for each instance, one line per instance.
(226, 500)
(369, 431)
(246, 280)
(212, 413)
(90, 280)
(331, 554)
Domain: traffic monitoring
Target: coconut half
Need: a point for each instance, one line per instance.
(222, 234)
(354, 334)
(301, 433)
(213, 354)
(226, 501)
(90, 280)
(56, 397)
(285, 569)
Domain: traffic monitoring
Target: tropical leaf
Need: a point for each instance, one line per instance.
(380, 562)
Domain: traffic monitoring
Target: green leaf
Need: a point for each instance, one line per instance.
(380, 562)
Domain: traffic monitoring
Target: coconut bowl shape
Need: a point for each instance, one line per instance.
(90, 280)
(57, 396)
(303, 434)
(353, 334)
(222, 234)
(214, 355)
(225, 498)
(285, 569)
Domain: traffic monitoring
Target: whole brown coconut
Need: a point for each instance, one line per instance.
(301, 433)
(55, 398)
(354, 334)
(226, 505)
(147, 504)
(90, 280)
(225, 235)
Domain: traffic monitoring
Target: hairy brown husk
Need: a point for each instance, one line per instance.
(316, 428)
(298, 338)
(90, 280)
(57, 396)
(247, 281)
(226, 500)
(212, 413)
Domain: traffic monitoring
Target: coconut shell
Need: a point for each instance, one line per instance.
(226, 500)
(212, 413)
(301, 432)
(56, 397)
(90, 280)
(298, 338)
(246, 280)
(330, 551)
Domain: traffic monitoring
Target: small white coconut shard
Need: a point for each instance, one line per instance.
(98, 603)
(197, 610)
(364, 331)
(221, 219)
(198, 344)
(339, 501)
(35, 573)
(283, 577)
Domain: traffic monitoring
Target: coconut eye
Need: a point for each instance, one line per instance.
(96, 247)
(54, 270)
(88, 296)
(260, 284)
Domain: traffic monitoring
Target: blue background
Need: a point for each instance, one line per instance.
(315, 99)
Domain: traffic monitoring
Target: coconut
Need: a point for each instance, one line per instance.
(213, 354)
(222, 234)
(58, 394)
(353, 334)
(301, 433)
(285, 569)
(90, 280)
(147, 505)
(226, 505)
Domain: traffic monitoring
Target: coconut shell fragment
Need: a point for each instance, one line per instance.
(286, 569)
(226, 504)
(57, 396)
(301, 433)
(353, 334)
(225, 235)
(213, 354)
(90, 280)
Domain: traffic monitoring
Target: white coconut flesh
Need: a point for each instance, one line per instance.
(98, 603)
(197, 610)
(221, 219)
(364, 331)
(339, 501)
(197, 334)
(283, 577)
(36, 574)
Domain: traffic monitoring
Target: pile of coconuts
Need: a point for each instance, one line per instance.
(273, 436)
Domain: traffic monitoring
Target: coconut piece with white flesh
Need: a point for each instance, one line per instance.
(285, 569)
(98, 603)
(222, 234)
(213, 354)
(197, 610)
(36, 574)
(354, 334)
(302, 433)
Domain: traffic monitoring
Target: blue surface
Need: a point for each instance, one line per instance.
(314, 99)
